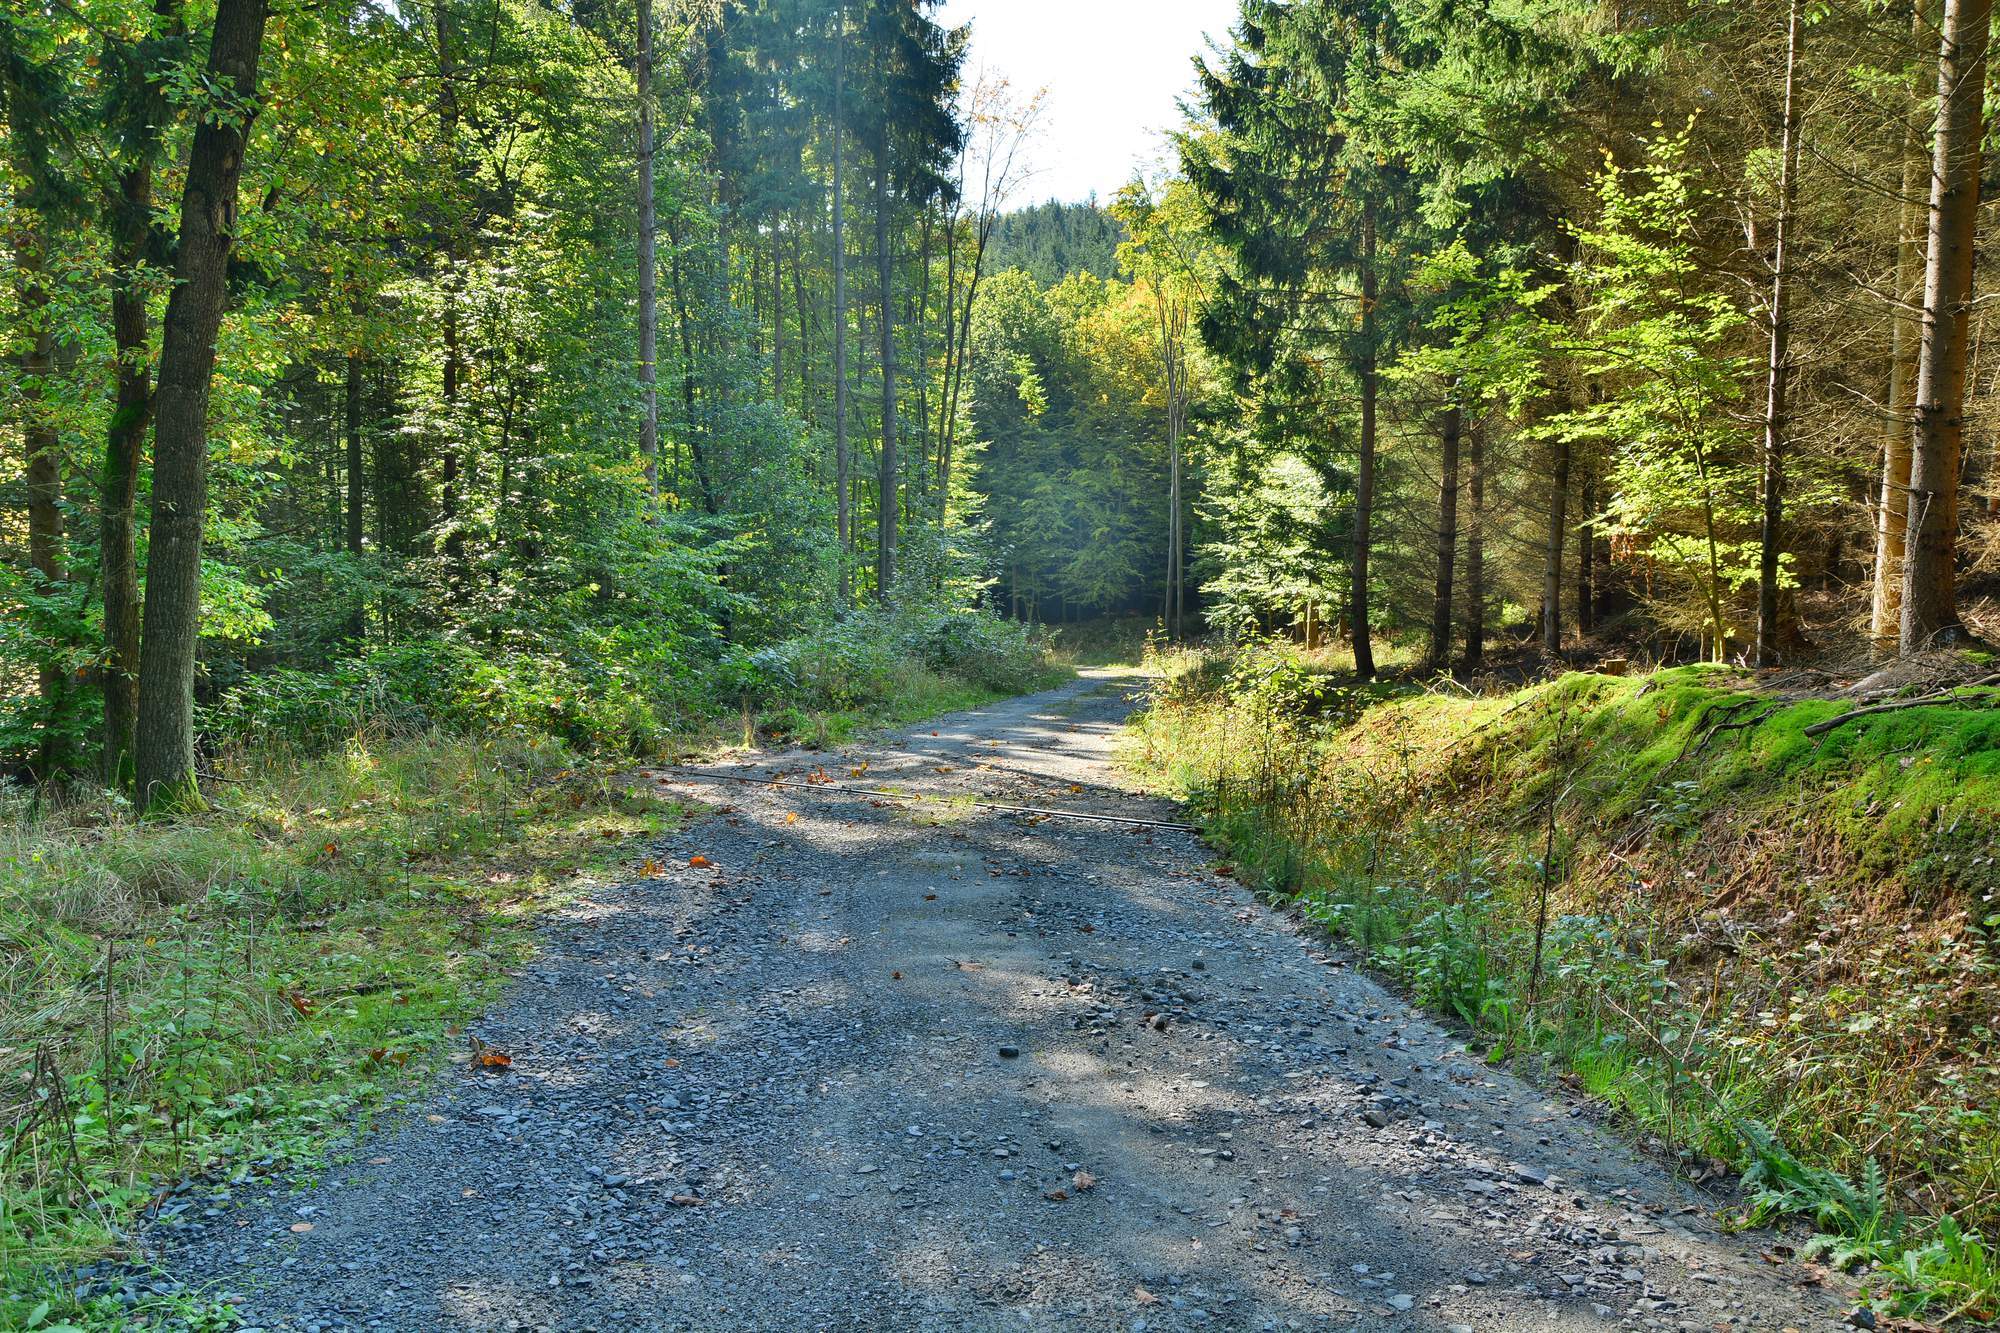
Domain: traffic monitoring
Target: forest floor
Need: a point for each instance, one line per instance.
(833, 1061)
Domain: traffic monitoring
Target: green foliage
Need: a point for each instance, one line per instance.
(219, 996)
(1549, 868)
(875, 659)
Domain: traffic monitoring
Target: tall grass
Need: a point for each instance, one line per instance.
(1689, 924)
(216, 994)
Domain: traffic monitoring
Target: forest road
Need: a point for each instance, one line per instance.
(888, 1065)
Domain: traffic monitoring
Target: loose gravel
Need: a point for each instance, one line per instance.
(865, 1064)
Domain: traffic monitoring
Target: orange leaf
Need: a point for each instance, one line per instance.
(300, 1003)
(791, 816)
(700, 862)
(488, 1058)
(1056, 1196)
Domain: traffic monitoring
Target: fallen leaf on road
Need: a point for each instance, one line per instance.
(302, 1226)
(378, 1161)
(1083, 1182)
(791, 816)
(685, 1201)
(700, 862)
(1144, 1297)
(650, 868)
(1056, 1196)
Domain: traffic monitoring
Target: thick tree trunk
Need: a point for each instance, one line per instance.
(1552, 549)
(1447, 539)
(1930, 609)
(165, 750)
(1475, 548)
(843, 462)
(1892, 508)
(1779, 374)
(888, 468)
(143, 112)
(649, 278)
(1364, 472)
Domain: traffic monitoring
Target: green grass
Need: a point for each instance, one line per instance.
(234, 991)
(1738, 932)
(222, 994)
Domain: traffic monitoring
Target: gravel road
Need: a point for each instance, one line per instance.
(895, 1066)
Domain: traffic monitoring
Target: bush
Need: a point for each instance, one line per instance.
(877, 655)
(442, 685)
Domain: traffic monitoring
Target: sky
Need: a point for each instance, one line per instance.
(1114, 70)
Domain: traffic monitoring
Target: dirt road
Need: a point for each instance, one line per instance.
(887, 1065)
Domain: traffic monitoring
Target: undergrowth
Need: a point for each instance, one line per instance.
(216, 995)
(1770, 950)
(226, 992)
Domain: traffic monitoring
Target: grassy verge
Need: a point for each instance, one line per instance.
(218, 995)
(226, 993)
(1770, 950)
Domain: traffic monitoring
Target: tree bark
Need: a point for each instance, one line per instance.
(165, 735)
(1447, 539)
(1364, 472)
(1930, 609)
(843, 464)
(42, 464)
(649, 279)
(143, 109)
(1475, 548)
(1893, 495)
(888, 468)
(1586, 557)
(1779, 373)
(1552, 552)
(356, 477)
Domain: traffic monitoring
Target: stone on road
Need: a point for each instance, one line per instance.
(878, 1064)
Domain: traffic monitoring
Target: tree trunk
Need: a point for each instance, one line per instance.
(649, 280)
(888, 471)
(1778, 378)
(42, 470)
(1930, 610)
(1475, 549)
(778, 312)
(1892, 509)
(130, 225)
(165, 750)
(356, 477)
(843, 462)
(1552, 551)
(1447, 540)
(1364, 473)
(1586, 557)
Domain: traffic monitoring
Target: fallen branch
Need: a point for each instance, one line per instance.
(1948, 696)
